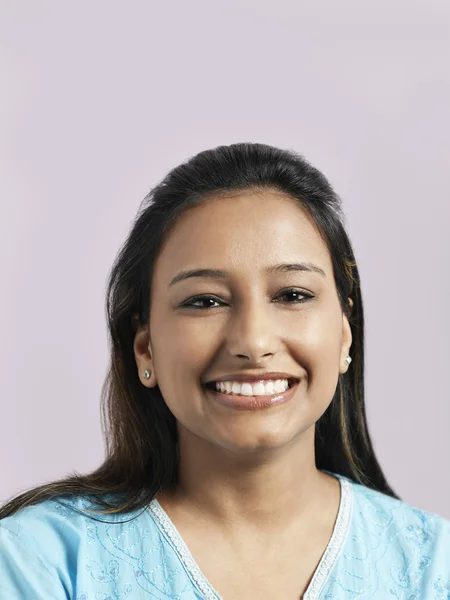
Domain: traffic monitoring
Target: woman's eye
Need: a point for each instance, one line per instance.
(306, 296)
(193, 303)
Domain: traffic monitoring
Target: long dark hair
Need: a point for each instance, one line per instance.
(139, 429)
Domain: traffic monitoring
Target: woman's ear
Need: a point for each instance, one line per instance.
(143, 355)
(347, 339)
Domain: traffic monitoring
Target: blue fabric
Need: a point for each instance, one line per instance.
(381, 548)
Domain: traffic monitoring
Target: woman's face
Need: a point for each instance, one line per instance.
(250, 324)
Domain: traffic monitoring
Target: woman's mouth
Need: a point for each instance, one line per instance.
(250, 400)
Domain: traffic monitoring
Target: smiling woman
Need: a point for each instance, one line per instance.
(239, 461)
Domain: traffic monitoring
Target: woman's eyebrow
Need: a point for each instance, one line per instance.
(220, 274)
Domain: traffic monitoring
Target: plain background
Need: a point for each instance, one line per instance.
(100, 99)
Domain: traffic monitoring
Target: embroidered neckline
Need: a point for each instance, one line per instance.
(336, 542)
(321, 573)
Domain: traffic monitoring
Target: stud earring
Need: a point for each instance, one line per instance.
(146, 374)
(348, 359)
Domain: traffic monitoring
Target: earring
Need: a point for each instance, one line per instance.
(146, 374)
(348, 359)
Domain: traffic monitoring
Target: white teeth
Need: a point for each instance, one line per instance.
(249, 389)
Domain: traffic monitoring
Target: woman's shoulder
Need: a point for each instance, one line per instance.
(389, 548)
(41, 545)
(58, 519)
(404, 526)
(381, 503)
(46, 528)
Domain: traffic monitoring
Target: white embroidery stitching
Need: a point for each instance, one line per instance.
(186, 557)
(335, 544)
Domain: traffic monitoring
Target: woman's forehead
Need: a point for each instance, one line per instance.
(244, 231)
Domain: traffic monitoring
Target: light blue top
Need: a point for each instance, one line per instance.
(380, 548)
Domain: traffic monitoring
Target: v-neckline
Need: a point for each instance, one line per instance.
(321, 574)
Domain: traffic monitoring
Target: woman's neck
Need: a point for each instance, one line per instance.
(269, 493)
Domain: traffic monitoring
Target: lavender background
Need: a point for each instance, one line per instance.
(100, 99)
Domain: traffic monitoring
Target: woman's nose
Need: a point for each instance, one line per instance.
(253, 335)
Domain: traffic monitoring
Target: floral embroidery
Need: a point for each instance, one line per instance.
(389, 552)
(442, 589)
(381, 548)
(354, 566)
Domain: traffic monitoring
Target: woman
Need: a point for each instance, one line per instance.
(239, 462)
